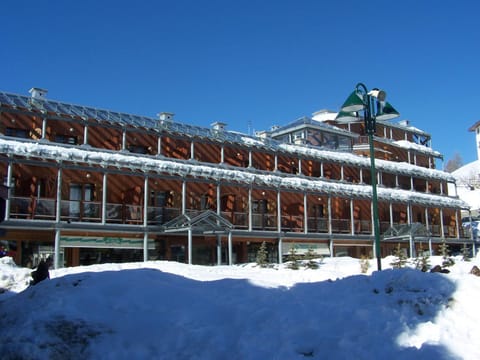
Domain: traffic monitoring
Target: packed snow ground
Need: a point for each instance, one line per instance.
(168, 310)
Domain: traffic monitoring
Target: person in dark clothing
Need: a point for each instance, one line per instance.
(42, 272)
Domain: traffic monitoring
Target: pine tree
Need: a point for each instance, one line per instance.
(465, 252)
(422, 262)
(443, 249)
(364, 264)
(294, 263)
(400, 258)
(262, 255)
(309, 256)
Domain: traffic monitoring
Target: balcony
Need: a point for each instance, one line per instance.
(28, 208)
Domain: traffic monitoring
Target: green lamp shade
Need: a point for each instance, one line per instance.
(347, 116)
(388, 113)
(353, 103)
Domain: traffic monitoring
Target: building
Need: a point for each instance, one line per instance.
(476, 129)
(91, 185)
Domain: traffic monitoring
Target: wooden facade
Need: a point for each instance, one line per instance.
(90, 185)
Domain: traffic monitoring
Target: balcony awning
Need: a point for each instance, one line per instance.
(206, 222)
(406, 231)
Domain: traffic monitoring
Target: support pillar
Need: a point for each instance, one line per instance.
(9, 195)
(305, 213)
(85, 134)
(145, 246)
(184, 197)
(230, 251)
(279, 212)
(219, 250)
(104, 198)
(124, 139)
(280, 250)
(56, 256)
(189, 250)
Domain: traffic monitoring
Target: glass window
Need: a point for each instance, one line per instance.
(138, 149)
(330, 141)
(65, 139)
(20, 133)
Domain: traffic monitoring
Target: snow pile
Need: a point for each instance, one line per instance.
(168, 310)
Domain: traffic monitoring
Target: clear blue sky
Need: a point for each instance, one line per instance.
(252, 62)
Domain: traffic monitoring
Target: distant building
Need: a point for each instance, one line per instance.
(91, 185)
(476, 129)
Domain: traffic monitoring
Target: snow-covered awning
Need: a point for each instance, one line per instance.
(220, 174)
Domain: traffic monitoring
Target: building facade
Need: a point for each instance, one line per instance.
(89, 185)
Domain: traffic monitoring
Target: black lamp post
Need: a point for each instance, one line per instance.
(374, 107)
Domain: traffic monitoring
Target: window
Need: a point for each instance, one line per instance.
(330, 141)
(20, 133)
(138, 149)
(65, 139)
(81, 196)
(344, 143)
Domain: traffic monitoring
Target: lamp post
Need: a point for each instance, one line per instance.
(374, 107)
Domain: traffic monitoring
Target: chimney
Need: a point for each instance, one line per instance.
(38, 93)
(261, 134)
(166, 116)
(218, 126)
(164, 119)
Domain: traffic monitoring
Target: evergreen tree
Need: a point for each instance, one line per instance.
(465, 252)
(422, 262)
(262, 255)
(364, 264)
(294, 261)
(444, 251)
(400, 258)
(309, 256)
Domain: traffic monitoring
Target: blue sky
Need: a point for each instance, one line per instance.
(251, 64)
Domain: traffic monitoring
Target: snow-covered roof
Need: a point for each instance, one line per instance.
(306, 151)
(474, 126)
(468, 180)
(218, 173)
(324, 115)
(468, 171)
(399, 168)
(420, 148)
(305, 120)
(124, 119)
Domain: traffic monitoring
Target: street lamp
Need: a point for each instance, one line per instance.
(374, 107)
